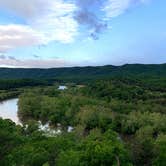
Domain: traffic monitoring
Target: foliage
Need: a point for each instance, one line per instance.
(117, 121)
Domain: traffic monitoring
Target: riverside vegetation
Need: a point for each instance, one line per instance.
(116, 122)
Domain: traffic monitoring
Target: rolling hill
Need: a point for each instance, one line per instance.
(128, 70)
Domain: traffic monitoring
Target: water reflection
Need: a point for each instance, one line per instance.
(8, 110)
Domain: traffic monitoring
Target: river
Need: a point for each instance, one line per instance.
(8, 110)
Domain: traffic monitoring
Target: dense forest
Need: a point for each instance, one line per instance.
(116, 121)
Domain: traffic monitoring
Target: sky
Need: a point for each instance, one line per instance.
(64, 33)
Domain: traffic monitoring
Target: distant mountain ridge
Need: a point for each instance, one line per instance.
(141, 70)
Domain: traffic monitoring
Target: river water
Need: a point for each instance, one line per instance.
(8, 110)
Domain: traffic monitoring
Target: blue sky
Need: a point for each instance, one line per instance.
(58, 33)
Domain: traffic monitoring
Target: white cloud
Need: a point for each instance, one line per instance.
(56, 20)
(22, 8)
(114, 8)
(35, 8)
(12, 36)
(45, 21)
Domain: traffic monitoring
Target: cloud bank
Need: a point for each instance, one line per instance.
(12, 36)
(57, 20)
(11, 61)
(46, 21)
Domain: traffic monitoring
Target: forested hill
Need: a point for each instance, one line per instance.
(85, 72)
